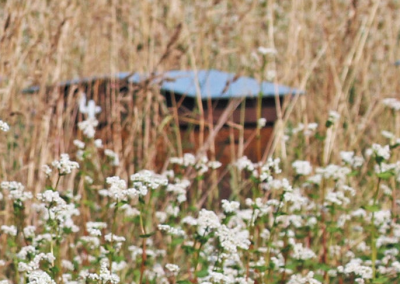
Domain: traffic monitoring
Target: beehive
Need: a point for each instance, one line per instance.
(187, 92)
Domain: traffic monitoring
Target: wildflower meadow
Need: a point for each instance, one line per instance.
(105, 190)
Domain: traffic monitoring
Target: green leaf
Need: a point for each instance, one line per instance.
(299, 236)
(333, 229)
(319, 137)
(379, 159)
(121, 203)
(145, 236)
(67, 230)
(372, 208)
(54, 270)
(11, 243)
(328, 123)
(189, 249)
(353, 174)
(385, 175)
(323, 267)
(184, 282)
(177, 241)
(202, 273)
(49, 187)
(382, 280)
(89, 204)
(261, 268)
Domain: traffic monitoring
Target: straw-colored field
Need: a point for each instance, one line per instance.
(322, 209)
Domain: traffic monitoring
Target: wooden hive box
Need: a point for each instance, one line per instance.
(235, 102)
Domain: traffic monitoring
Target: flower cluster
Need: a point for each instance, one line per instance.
(4, 126)
(64, 165)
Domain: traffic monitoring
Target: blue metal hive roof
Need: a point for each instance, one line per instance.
(213, 85)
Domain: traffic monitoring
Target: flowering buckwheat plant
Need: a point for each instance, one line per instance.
(334, 220)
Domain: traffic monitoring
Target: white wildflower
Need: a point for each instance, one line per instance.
(114, 238)
(4, 126)
(92, 242)
(334, 172)
(171, 230)
(113, 156)
(64, 165)
(79, 144)
(265, 234)
(189, 220)
(231, 239)
(25, 251)
(67, 264)
(88, 127)
(172, 210)
(244, 163)
(88, 179)
(98, 143)
(261, 122)
(91, 109)
(230, 206)
(356, 266)
(47, 170)
(387, 134)
(145, 180)
(214, 164)
(96, 225)
(208, 221)
(379, 151)
(117, 189)
(105, 276)
(270, 74)
(9, 230)
(17, 191)
(392, 103)
(187, 160)
(302, 167)
(173, 268)
(307, 130)
(216, 277)
(333, 116)
(39, 277)
(300, 252)
(267, 50)
(299, 279)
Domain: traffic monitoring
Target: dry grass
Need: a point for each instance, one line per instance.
(340, 52)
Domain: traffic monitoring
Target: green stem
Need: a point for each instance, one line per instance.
(373, 233)
(196, 260)
(218, 263)
(271, 236)
(113, 229)
(58, 181)
(143, 230)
